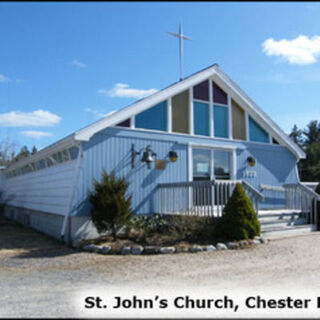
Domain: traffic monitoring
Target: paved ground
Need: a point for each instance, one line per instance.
(39, 277)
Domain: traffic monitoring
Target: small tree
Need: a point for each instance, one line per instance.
(111, 207)
(240, 220)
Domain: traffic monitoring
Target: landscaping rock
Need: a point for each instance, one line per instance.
(182, 249)
(221, 246)
(232, 245)
(210, 248)
(256, 241)
(106, 249)
(151, 249)
(137, 250)
(263, 240)
(99, 249)
(243, 243)
(166, 250)
(126, 250)
(196, 248)
(91, 248)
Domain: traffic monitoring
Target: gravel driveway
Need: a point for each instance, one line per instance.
(39, 277)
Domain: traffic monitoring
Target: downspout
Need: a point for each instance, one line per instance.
(67, 217)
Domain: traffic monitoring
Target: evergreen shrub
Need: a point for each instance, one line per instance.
(240, 221)
(111, 206)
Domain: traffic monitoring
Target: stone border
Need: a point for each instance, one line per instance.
(138, 250)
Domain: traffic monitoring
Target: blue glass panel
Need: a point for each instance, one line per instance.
(257, 133)
(221, 123)
(201, 118)
(154, 118)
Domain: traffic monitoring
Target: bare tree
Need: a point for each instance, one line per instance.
(7, 150)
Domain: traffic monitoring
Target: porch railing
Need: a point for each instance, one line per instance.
(200, 198)
(301, 197)
(295, 196)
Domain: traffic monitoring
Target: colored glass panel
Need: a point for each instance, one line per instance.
(275, 141)
(125, 123)
(201, 91)
(154, 118)
(221, 122)
(219, 96)
(180, 112)
(238, 122)
(201, 118)
(257, 133)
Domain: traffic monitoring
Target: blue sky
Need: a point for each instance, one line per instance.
(64, 65)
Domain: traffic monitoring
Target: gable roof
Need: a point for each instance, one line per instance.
(214, 72)
(221, 79)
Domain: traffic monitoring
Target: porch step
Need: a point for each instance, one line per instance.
(288, 221)
(286, 231)
(284, 222)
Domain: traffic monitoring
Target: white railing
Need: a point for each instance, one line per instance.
(300, 197)
(296, 196)
(200, 198)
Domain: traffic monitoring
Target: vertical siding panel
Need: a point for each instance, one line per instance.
(111, 149)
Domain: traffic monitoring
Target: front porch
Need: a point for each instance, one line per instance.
(290, 207)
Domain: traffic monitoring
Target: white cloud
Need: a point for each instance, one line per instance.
(36, 134)
(37, 118)
(123, 90)
(3, 78)
(99, 114)
(78, 63)
(301, 50)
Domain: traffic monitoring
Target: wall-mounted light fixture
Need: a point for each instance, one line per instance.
(148, 156)
(173, 156)
(251, 161)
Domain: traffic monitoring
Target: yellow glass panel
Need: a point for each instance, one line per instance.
(180, 112)
(238, 122)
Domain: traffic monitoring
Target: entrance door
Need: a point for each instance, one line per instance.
(209, 164)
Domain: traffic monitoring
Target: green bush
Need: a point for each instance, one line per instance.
(111, 207)
(240, 220)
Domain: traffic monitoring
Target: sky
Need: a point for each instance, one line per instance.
(65, 65)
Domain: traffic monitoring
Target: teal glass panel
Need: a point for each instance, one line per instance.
(154, 118)
(221, 122)
(201, 118)
(257, 133)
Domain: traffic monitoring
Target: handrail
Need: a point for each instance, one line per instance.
(304, 189)
(252, 189)
(272, 188)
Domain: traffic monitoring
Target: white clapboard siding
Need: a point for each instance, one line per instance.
(48, 190)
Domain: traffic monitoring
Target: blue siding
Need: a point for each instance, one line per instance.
(154, 118)
(256, 132)
(111, 149)
(221, 123)
(275, 165)
(201, 118)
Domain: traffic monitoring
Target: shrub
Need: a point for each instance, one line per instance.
(240, 220)
(111, 207)
(176, 227)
